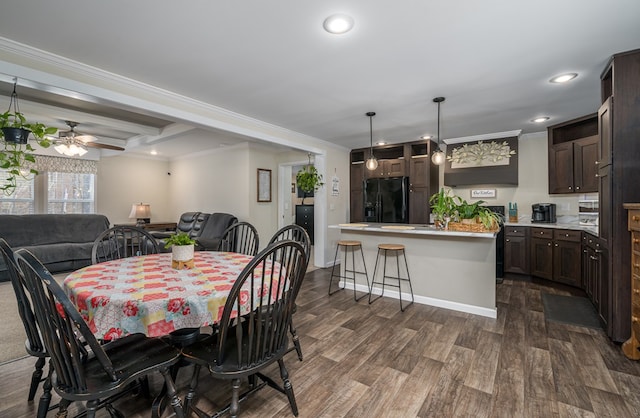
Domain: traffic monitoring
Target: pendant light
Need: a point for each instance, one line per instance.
(372, 163)
(438, 156)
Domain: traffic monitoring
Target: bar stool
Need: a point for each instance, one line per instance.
(396, 249)
(348, 246)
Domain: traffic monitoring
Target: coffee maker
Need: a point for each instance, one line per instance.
(543, 213)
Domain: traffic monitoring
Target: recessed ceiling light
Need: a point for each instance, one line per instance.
(338, 24)
(154, 152)
(563, 78)
(425, 137)
(540, 119)
(381, 143)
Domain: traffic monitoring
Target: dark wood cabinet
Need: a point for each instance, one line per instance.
(556, 254)
(304, 218)
(356, 185)
(618, 173)
(410, 159)
(567, 257)
(389, 168)
(516, 249)
(573, 155)
(594, 274)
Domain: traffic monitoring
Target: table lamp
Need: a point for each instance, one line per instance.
(141, 212)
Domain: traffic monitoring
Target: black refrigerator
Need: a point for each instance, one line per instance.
(386, 200)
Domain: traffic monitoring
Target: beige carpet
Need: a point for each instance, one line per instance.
(12, 335)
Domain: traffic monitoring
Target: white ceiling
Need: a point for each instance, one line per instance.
(272, 61)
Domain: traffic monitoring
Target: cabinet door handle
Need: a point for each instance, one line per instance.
(577, 187)
(597, 162)
(566, 235)
(597, 175)
(636, 240)
(549, 245)
(584, 251)
(541, 232)
(636, 291)
(599, 251)
(508, 240)
(556, 245)
(570, 188)
(635, 218)
(634, 318)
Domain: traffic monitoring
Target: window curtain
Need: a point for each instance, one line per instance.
(65, 165)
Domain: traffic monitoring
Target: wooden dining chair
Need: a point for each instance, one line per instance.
(86, 371)
(33, 345)
(250, 340)
(298, 234)
(122, 242)
(242, 238)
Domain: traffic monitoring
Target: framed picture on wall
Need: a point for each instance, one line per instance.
(264, 185)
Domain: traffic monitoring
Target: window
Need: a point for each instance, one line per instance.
(64, 185)
(22, 200)
(70, 193)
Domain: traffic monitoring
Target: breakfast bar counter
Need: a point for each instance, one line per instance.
(449, 269)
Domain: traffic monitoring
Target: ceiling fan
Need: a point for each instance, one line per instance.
(73, 143)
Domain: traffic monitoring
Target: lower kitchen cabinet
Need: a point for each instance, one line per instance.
(304, 218)
(542, 252)
(567, 257)
(595, 260)
(516, 249)
(556, 254)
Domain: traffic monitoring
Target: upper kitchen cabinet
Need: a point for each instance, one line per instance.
(412, 160)
(391, 162)
(619, 171)
(573, 156)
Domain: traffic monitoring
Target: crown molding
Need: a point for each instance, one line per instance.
(107, 86)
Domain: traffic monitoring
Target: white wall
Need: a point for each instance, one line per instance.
(123, 181)
(533, 181)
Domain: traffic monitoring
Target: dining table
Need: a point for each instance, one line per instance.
(144, 294)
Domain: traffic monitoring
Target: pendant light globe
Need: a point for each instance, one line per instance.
(438, 157)
(372, 162)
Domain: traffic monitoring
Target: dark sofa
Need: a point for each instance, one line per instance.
(60, 242)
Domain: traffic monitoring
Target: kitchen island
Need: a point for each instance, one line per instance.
(449, 269)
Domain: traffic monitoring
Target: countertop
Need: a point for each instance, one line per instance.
(563, 222)
(410, 229)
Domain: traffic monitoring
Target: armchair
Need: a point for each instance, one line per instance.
(211, 235)
(190, 222)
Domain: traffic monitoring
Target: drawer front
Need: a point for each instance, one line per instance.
(635, 242)
(634, 220)
(515, 231)
(567, 235)
(546, 233)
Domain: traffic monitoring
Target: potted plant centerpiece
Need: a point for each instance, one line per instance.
(308, 179)
(182, 250)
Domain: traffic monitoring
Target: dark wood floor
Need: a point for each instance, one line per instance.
(374, 361)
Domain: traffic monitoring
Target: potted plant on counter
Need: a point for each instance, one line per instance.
(442, 207)
(182, 250)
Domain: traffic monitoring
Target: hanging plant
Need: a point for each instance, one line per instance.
(308, 179)
(16, 154)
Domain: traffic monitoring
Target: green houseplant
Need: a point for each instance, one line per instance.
(182, 250)
(181, 238)
(443, 206)
(15, 151)
(308, 180)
